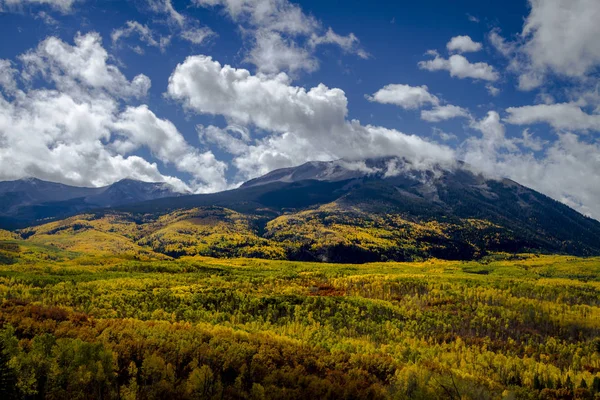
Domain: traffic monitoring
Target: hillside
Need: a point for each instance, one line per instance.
(320, 212)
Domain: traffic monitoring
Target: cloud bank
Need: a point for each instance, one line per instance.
(298, 124)
(76, 130)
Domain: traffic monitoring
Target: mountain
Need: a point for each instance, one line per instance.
(332, 171)
(375, 210)
(28, 201)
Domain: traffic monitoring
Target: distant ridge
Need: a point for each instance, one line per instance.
(30, 200)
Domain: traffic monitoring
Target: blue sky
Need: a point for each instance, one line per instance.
(205, 94)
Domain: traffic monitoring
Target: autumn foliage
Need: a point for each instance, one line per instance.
(101, 326)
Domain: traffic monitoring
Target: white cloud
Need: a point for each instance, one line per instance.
(529, 141)
(442, 113)
(52, 136)
(282, 37)
(505, 48)
(197, 35)
(63, 6)
(350, 43)
(145, 34)
(405, 96)
(277, 15)
(268, 102)
(7, 77)
(414, 97)
(166, 7)
(558, 38)
(297, 124)
(460, 67)
(472, 18)
(142, 127)
(483, 153)
(233, 139)
(47, 18)
(183, 26)
(463, 44)
(492, 90)
(73, 128)
(272, 53)
(529, 80)
(82, 65)
(561, 116)
(445, 136)
(566, 171)
(561, 36)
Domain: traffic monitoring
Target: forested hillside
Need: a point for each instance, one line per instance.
(105, 327)
(332, 232)
(327, 212)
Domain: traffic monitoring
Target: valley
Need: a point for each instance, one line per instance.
(105, 325)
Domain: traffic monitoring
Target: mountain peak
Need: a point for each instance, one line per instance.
(340, 170)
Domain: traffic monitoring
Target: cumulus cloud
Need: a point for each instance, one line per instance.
(74, 129)
(405, 96)
(557, 39)
(52, 136)
(561, 36)
(273, 53)
(271, 103)
(141, 127)
(483, 152)
(463, 44)
(561, 116)
(461, 68)
(81, 67)
(233, 139)
(276, 15)
(297, 125)
(442, 113)
(413, 97)
(566, 170)
(282, 37)
(300, 124)
(63, 6)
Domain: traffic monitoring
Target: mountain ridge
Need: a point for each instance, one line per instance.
(319, 211)
(31, 200)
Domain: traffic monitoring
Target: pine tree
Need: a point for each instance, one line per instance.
(596, 385)
(568, 383)
(8, 381)
(537, 383)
